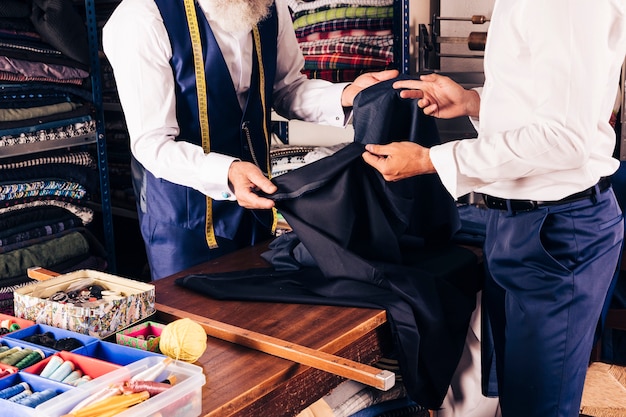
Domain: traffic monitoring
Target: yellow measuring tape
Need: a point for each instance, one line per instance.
(203, 108)
(198, 63)
(257, 43)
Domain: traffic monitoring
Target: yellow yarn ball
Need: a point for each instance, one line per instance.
(183, 339)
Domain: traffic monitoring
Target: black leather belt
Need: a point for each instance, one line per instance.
(528, 205)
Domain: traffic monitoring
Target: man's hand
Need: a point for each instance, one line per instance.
(440, 96)
(362, 82)
(244, 178)
(399, 160)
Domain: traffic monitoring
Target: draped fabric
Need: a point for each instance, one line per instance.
(360, 241)
(342, 39)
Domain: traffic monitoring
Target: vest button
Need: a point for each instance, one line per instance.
(225, 194)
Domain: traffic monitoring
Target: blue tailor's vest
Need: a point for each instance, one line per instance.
(229, 127)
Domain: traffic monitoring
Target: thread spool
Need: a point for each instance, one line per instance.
(37, 398)
(19, 396)
(15, 357)
(35, 356)
(14, 327)
(7, 372)
(9, 392)
(72, 377)
(51, 366)
(80, 381)
(66, 368)
(183, 339)
(9, 352)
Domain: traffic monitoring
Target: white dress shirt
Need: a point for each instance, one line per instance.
(551, 75)
(136, 44)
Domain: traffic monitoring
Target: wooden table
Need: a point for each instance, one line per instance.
(245, 382)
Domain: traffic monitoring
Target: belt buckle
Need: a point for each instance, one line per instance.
(524, 205)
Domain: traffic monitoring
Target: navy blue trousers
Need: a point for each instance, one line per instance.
(549, 271)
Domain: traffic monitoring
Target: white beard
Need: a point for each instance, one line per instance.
(238, 15)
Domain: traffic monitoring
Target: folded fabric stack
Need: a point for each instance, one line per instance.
(45, 99)
(341, 39)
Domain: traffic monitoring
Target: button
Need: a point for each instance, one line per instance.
(225, 194)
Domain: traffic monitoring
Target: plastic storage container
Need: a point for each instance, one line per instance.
(183, 399)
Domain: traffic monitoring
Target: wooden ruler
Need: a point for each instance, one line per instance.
(369, 375)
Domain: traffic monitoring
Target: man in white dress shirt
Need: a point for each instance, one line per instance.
(195, 189)
(541, 159)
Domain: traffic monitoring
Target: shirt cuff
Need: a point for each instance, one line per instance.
(216, 168)
(336, 114)
(442, 157)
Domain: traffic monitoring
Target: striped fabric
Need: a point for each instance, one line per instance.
(373, 37)
(384, 53)
(298, 6)
(342, 39)
(74, 158)
(343, 13)
(345, 24)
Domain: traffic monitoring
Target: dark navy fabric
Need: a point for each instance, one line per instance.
(360, 241)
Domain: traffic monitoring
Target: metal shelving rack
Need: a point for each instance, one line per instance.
(103, 171)
(97, 139)
(401, 36)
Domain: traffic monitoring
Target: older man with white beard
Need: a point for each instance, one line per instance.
(177, 64)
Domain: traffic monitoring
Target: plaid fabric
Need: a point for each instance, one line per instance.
(297, 6)
(340, 61)
(384, 52)
(336, 76)
(343, 13)
(379, 46)
(374, 37)
(345, 24)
